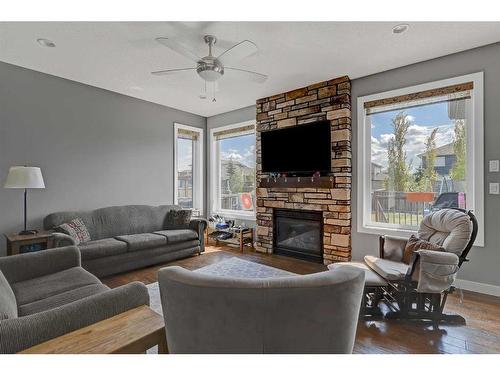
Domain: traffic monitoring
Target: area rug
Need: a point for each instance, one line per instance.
(232, 267)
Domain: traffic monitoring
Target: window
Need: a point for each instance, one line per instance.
(188, 154)
(233, 170)
(420, 149)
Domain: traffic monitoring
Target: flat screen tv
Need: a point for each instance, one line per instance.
(297, 150)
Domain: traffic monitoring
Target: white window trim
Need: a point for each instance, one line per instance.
(215, 176)
(475, 149)
(197, 166)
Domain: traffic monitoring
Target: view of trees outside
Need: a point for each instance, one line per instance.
(418, 155)
(237, 172)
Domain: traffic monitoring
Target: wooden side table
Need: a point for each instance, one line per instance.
(16, 242)
(240, 238)
(131, 332)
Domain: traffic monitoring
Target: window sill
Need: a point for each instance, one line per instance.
(396, 232)
(236, 215)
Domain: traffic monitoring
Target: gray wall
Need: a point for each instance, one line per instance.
(224, 119)
(485, 261)
(96, 148)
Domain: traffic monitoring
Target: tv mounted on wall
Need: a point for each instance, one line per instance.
(297, 150)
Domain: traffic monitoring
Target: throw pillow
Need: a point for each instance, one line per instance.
(75, 228)
(178, 219)
(414, 243)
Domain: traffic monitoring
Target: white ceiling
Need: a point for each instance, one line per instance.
(119, 56)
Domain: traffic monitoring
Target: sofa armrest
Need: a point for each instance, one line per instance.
(31, 265)
(199, 225)
(61, 240)
(21, 333)
(392, 248)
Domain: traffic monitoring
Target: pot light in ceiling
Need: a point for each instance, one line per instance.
(401, 28)
(46, 43)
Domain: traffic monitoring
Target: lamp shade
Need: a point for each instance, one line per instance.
(24, 178)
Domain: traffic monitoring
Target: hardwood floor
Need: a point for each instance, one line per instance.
(482, 312)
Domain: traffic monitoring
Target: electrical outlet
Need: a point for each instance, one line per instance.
(494, 188)
(494, 166)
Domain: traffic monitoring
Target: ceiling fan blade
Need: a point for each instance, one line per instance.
(248, 74)
(179, 48)
(171, 71)
(237, 52)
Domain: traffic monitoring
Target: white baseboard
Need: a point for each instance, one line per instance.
(493, 290)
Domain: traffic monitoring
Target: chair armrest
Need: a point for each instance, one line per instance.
(61, 239)
(21, 333)
(434, 271)
(31, 265)
(392, 248)
(199, 225)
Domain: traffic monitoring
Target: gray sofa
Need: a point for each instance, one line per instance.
(309, 314)
(48, 294)
(124, 238)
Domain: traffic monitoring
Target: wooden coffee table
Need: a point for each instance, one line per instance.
(133, 331)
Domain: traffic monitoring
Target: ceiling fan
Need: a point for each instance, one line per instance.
(211, 68)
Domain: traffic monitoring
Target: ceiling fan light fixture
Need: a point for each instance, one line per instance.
(46, 42)
(209, 75)
(401, 28)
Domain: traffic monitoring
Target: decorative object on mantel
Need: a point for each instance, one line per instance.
(25, 178)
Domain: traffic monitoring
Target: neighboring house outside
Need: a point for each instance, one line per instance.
(378, 177)
(445, 160)
(185, 188)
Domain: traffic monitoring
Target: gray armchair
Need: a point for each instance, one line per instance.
(48, 294)
(299, 314)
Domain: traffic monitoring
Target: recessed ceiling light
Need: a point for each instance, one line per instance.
(46, 43)
(401, 28)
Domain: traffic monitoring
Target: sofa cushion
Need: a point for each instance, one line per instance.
(76, 229)
(178, 235)
(61, 299)
(102, 248)
(178, 219)
(29, 291)
(388, 269)
(8, 305)
(142, 241)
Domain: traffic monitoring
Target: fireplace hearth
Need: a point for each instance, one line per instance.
(299, 234)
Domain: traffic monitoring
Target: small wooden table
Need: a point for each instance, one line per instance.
(133, 331)
(15, 242)
(239, 238)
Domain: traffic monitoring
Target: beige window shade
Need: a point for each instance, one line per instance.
(448, 93)
(236, 132)
(187, 134)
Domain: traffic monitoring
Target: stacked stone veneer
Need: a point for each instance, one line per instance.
(329, 100)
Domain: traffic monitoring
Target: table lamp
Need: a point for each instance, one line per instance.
(25, 178)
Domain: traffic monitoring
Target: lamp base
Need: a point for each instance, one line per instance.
(28, 232)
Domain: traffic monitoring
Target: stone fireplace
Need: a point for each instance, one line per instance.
(283, 200)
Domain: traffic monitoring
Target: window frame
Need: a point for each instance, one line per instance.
(215, 175)
(475, 154)
(197, 166)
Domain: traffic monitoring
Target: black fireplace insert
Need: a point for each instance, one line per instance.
(299, 234)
